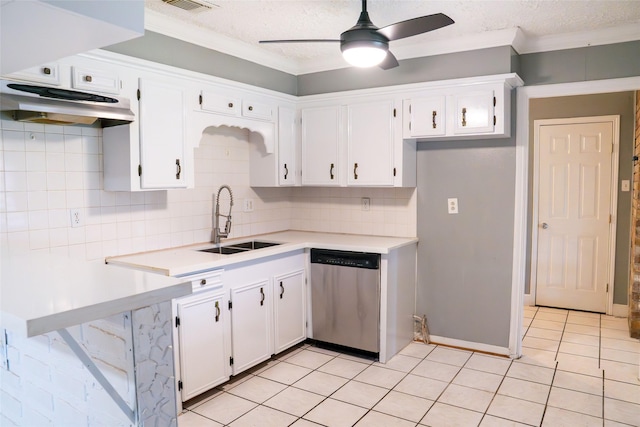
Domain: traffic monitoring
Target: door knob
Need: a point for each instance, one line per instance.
(545, 225)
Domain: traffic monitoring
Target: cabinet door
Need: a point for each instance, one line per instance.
(216, 103)
(425, 117)
(93, 80)
(46, 73)
(257, 110)
(474, 112)
(370, 132)
(203, 362)
(289, 310)
(320, 142)
(162, 134)
(286, 146)
(250, 325)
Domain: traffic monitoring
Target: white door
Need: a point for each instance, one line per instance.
(162, 135)
(203, 360)
(320, 142)
(574, 214)
(289, 310)
(251, 325)
(370, 131)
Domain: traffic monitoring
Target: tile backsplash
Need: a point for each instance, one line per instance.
(46, 171)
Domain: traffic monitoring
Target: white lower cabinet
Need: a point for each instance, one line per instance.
(289, 310)
(250, 324)
(201, 320)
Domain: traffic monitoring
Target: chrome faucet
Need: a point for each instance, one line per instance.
(217, 233)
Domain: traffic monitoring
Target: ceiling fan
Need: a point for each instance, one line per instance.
(365, 45)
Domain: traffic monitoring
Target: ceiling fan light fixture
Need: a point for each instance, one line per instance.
(364, 56)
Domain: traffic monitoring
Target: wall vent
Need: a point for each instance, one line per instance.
(188, 4)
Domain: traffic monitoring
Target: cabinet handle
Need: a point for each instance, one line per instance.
(281, 290)
(286, 171)
(178, 169)
(355, 171)
(88, 79)
(331, 171)
(261, 296)
(46, 70)
(230, 105)
(203, 282)
(464, 117)
(217, 311)
(433, 118)
(250, 108)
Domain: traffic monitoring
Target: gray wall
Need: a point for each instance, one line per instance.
(576, 65)
(167, 50)
(465, 260)
(497, 60)
(621, 103)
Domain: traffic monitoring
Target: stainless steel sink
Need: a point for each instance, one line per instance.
(236, 248)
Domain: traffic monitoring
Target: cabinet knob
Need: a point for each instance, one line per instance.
(250, 108)
(46, 70)
(88, 79)
(230, 105)
(203, 282)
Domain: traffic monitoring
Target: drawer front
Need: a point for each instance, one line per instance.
(205, 281)
(257, 110)
(47, 73)
(217, 103)
(93, 80)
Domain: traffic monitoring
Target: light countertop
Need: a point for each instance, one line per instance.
(187, 259)
(40, 293)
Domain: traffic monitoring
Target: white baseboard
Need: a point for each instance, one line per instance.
(620, 310)
(529, 300)
(469, 345)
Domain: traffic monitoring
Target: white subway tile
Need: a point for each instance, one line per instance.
(15, 181)
(38, 239)
(75, 198)
(15, 161)
(34, 141)
(57, 199)
(55, 161)
(56, 181)
(16, 201)
(54, 142)
(38, 220)
(58, 218)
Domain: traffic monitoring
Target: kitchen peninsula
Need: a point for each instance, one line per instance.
(85, 343)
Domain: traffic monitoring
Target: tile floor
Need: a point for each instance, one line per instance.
(578, 369)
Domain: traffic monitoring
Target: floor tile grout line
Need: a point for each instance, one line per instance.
(546, 403)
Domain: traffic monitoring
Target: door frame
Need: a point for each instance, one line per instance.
(537, 124)
(523, 95)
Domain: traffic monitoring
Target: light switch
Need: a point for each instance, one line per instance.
(452, 205)
(626, 185)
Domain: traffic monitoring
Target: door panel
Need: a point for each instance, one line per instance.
(574, 215)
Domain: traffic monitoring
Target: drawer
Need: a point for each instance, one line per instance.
(257, 110)
(92, 80)
(217, 103)
(205, 281)
(47, 73)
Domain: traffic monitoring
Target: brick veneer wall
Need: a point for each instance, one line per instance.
(634, 288)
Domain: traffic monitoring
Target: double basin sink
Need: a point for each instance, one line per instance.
(236, 248)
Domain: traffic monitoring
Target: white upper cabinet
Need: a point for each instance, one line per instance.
(161, 135)
(370, 142)
(474, 112)
(321, 141)
(149, 154)
(424, 116)
(473, 108)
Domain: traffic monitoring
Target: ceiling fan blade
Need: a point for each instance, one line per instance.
(300, 41)
(389, 62)
(415, 26)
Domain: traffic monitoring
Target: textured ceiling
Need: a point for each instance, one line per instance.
(249, 21)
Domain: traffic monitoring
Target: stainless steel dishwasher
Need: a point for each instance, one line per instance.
(345, 298)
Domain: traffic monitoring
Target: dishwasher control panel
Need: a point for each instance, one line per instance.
(345, 258)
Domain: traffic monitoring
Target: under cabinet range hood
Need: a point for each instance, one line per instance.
(59, 106)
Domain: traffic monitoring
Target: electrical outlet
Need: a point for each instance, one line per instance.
(452, 205)
(248, 205)
(626, 185)
(75, 215)
(366, 203)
